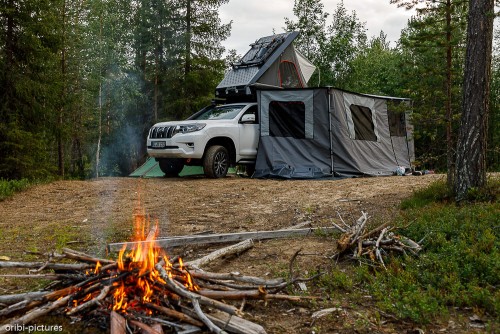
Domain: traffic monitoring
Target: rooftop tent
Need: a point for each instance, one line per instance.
(318, 132)
(272, 61)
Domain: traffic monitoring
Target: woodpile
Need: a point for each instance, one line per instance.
(146, 291)
(170, 295)
(359, 242)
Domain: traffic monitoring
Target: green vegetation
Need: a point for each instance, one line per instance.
(9, 187)
(459, 265)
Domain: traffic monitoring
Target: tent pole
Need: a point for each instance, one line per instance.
(328, 91)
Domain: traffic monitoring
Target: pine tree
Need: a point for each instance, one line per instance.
(472, 138)
(439, 30)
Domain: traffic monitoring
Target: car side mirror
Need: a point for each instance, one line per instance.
(248, 118)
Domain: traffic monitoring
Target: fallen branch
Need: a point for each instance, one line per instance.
(221, 238)
(372, 243)
(233, 249)
(38, 265)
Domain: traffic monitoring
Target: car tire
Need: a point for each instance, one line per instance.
(216, 162)
(171, 167)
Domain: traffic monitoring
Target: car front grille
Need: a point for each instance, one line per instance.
(161, 132)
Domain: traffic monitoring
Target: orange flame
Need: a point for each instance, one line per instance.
(97, 267)
(141, 260)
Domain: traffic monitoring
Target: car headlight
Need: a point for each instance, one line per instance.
(187, 128)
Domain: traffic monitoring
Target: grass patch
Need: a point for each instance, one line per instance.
(459, 265)
(10, 187)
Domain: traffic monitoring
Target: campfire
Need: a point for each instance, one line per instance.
(142, 290)
(145, 290)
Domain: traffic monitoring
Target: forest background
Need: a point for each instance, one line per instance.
(83, 81)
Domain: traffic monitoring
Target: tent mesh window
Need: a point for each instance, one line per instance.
(397, 121)
(287, 119)
(289, 76)
(363, 123)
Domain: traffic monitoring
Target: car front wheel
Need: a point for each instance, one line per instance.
(216, 162)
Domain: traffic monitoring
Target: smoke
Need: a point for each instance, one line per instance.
(125, 110)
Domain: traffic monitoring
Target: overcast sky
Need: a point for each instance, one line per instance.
(253, 19)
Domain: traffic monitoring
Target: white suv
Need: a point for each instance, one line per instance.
(216, 137)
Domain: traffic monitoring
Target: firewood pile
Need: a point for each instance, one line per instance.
(144, 290)
(146, 294)
(358, 242)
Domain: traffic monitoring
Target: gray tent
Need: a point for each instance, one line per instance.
(272, 61)
(319, 132)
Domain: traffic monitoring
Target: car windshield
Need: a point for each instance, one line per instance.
(218, 112)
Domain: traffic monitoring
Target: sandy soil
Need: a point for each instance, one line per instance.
(87, 215)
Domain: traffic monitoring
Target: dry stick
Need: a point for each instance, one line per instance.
(28, 296)
(342, 220)
(34, 314)
(37, 265)
(93, 302)
(236, 277)
(41, 276)
(196, 304)
(76, 255)
(164, 322)
(175, 314)
(233, 249)
(375, 230)
(339, 228)
(290, 266)
(231, 323)
(246, 294)
(181, 291)
(377, 249)
(211, 326)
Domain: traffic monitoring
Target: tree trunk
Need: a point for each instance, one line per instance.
(60, 125)
(450, 147)
(472, 138)
(9, 38)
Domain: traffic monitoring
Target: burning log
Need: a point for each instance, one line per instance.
(372, 243)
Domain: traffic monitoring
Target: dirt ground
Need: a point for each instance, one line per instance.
(87, 215)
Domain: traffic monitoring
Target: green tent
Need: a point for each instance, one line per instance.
(151, 168)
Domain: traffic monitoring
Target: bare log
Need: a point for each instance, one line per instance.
(233, 249)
